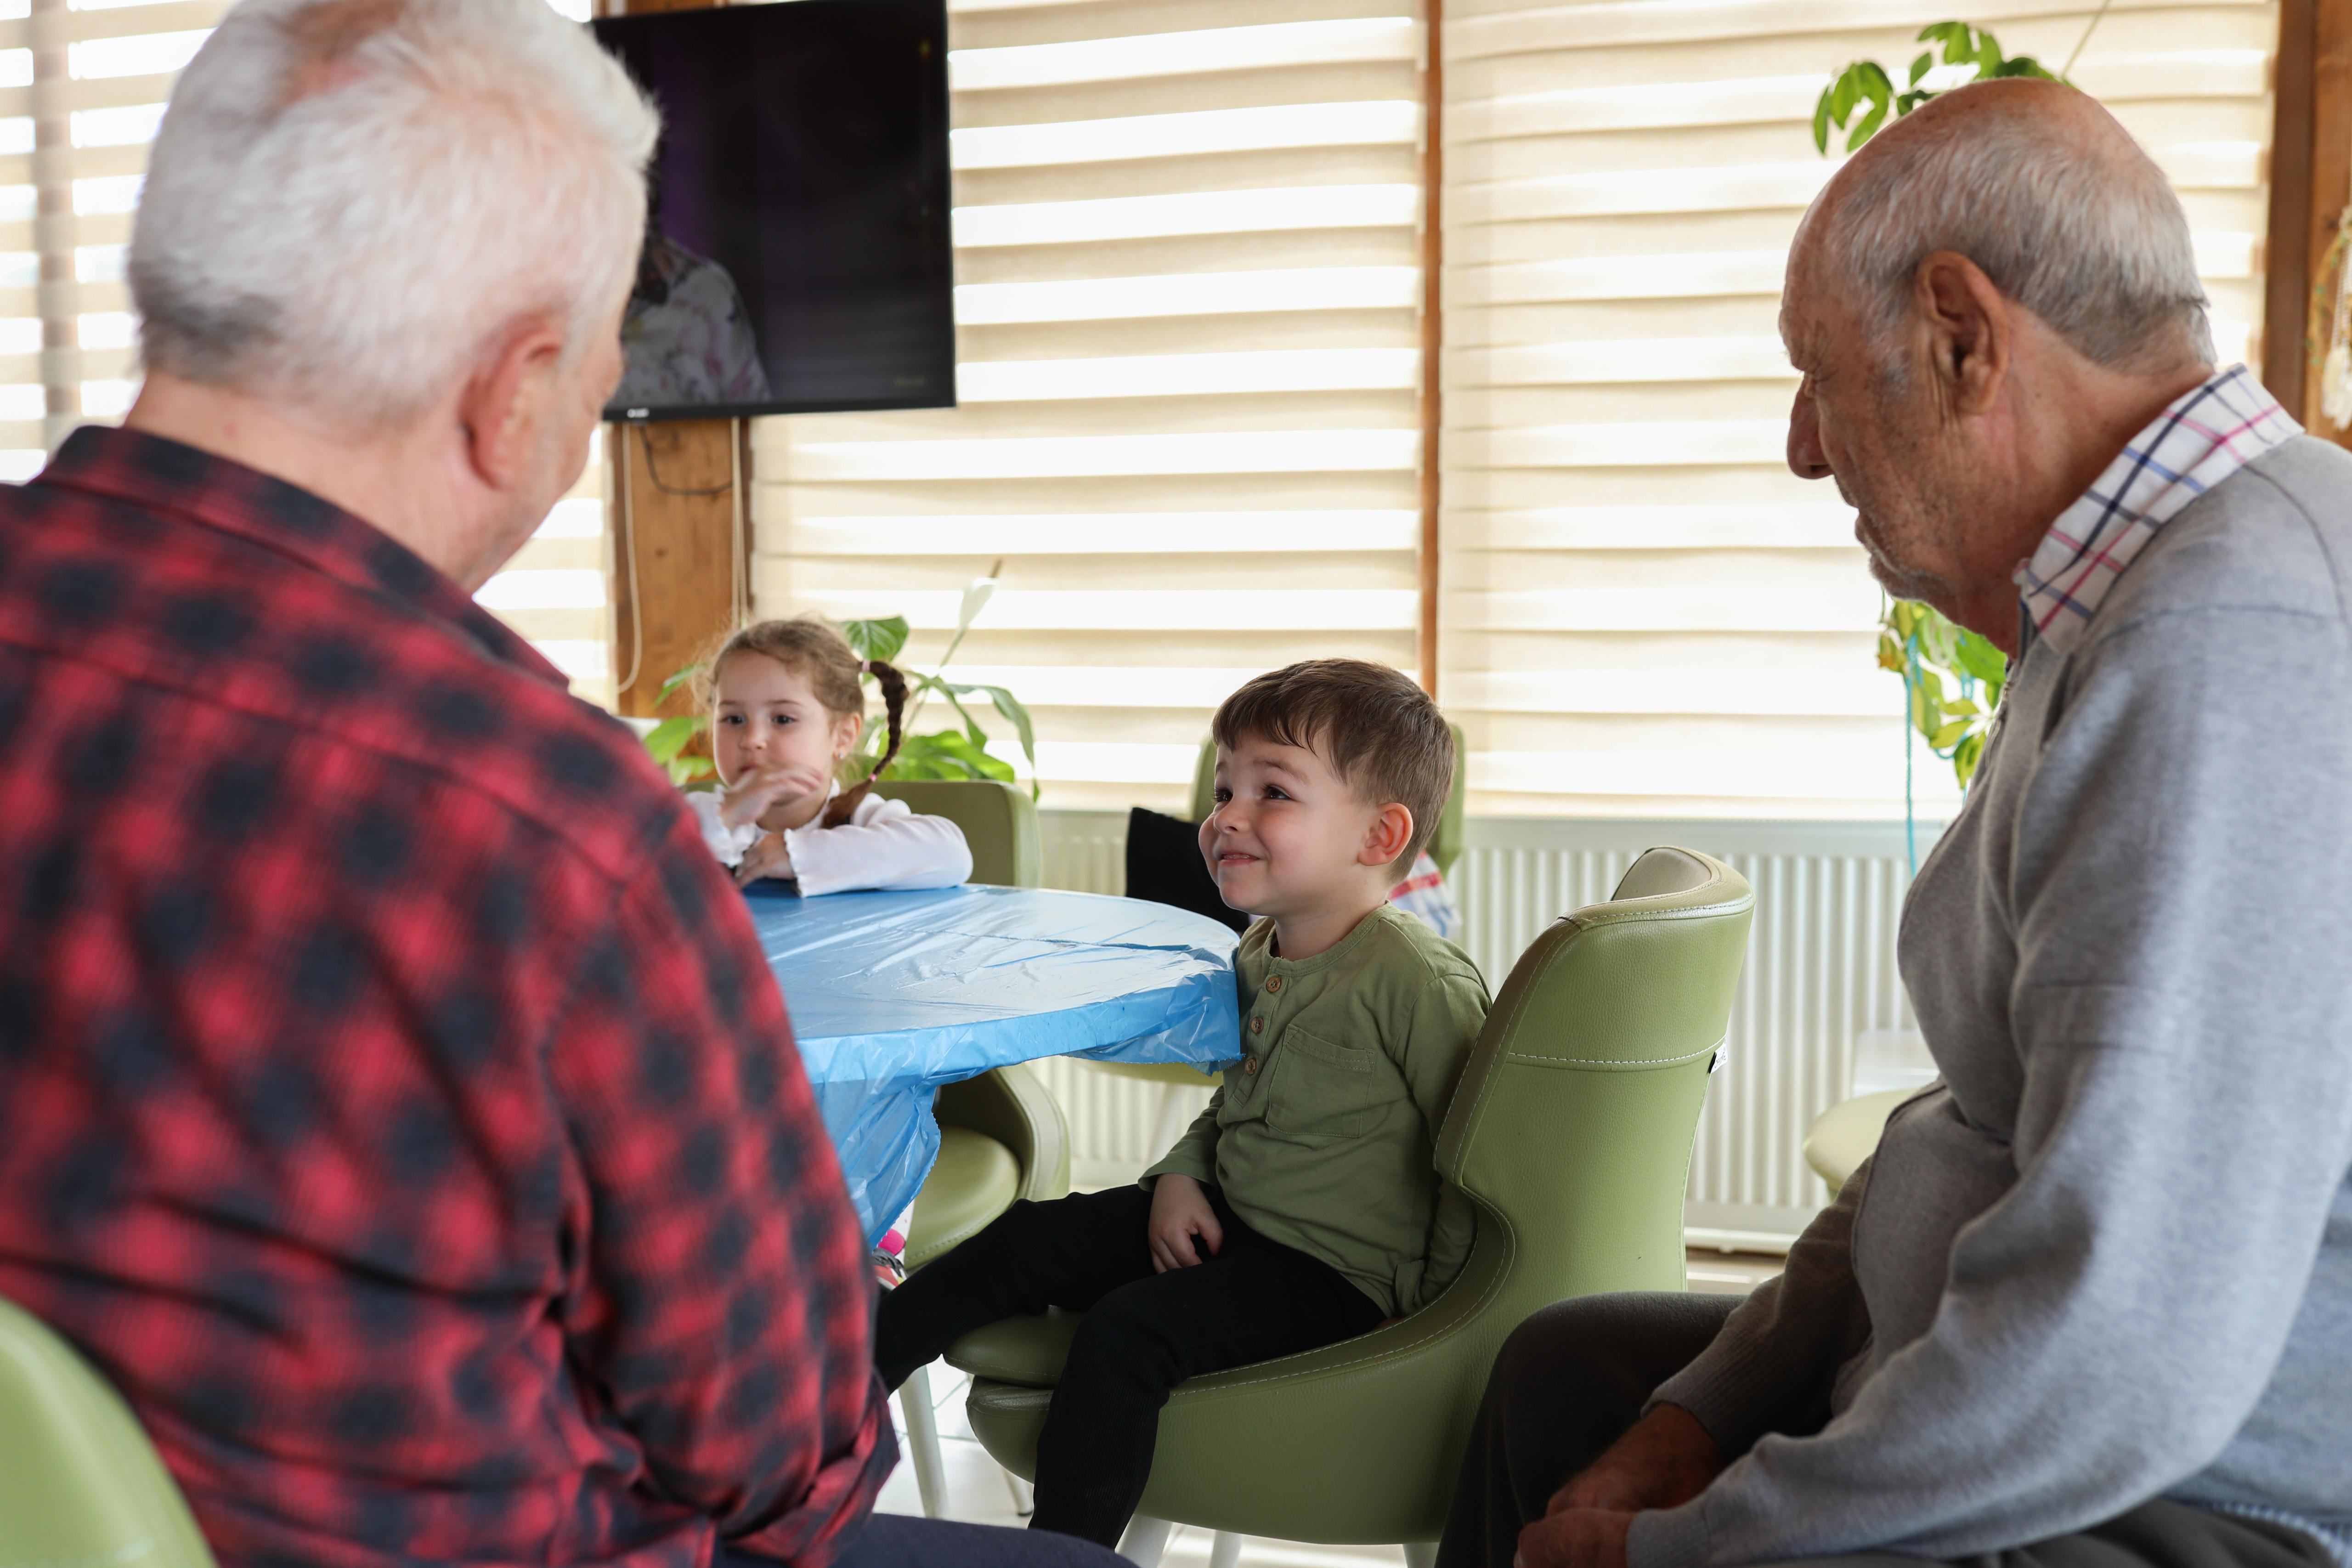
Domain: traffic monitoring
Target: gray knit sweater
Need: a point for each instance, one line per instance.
(2108, 1257)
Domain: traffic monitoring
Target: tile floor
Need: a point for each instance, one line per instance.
(976, 1488)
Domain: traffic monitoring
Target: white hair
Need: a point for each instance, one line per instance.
(2088, 236)
(348, 200)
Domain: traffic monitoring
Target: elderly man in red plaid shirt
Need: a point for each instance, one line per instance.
(393, 1102)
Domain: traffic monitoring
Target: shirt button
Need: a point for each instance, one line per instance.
(1274, 982)
(1257, 1025)
(1250, 1067)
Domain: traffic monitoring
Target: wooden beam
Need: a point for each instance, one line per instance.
(1433, 328)
(2286, 292)
(681, 550)
(2311, 187)
(681, 524)
(2330, 181)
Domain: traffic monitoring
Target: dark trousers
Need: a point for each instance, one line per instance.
(897, 1541)
(1143, 1334)
(1574, 1376)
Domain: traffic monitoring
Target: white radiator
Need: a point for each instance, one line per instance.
(1821, 969)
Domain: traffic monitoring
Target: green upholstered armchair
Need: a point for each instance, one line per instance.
(1571, 1131)
(79, 1482)
(999, 822)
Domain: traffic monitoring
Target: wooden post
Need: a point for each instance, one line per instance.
(1432, 326)
(681, 529)
(2311, 185)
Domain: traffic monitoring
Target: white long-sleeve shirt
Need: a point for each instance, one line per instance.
(885, 845)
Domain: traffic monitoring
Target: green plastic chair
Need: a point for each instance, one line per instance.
(1846, 1135)
(1445, 845)
(79, 1482)
(999, 822)
(1571, 1131)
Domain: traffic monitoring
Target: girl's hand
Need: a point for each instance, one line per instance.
(1180, 1212)
(752, 793)
(766, 857)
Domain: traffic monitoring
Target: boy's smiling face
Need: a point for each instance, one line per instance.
(1289, 837)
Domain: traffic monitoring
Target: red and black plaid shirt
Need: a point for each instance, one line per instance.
(392, 1098)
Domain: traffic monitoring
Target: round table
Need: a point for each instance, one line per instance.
(893, 994)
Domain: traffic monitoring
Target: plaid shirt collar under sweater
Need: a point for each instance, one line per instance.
(2207, 434)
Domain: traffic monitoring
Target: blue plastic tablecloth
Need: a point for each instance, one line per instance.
(893, 994)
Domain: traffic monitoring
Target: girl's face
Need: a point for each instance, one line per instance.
(769, 717)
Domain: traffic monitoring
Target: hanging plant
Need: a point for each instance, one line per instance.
(1952, 677)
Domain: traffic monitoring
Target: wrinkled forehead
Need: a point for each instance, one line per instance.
(1802, 292)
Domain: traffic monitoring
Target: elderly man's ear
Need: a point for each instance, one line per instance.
(1971, 337)
(514, 393)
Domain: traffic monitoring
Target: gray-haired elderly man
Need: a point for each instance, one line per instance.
(394, 1101)
(2090, 1304)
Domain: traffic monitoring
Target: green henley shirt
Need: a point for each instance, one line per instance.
(1323, 1137)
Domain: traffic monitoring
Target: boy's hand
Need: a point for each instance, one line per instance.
(754, 791)
(1180, 1211)
(767, 858)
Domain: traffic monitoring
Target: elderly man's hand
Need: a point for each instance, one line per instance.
(1666, 1459)
(1575, 1538)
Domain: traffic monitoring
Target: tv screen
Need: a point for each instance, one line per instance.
(797, 254)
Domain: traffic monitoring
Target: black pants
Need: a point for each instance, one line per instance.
(1574, 1376)
(1144, 1332)
(898, 1541)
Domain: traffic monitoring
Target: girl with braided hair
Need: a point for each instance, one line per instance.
(786, 706)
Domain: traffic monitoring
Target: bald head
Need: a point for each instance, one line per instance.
(2037, 184)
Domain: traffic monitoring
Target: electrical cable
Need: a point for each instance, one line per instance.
(637, 608)
(653, 473)
(739, 524)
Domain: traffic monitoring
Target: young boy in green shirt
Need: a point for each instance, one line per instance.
(1304, 1206)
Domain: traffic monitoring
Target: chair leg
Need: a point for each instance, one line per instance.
(1224, 1550)
(1421, 1554)
(1145, 1540)
(1025, 1496)
(923, 1442)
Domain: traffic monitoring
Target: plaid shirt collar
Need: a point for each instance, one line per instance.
(2209, 433)
(169, 478)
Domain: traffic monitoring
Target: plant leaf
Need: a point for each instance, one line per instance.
(1921, 66)
(1821, 119)
(1868, 127)
(680, 679)
(1842, 95)
(879, 639)
(665, 740)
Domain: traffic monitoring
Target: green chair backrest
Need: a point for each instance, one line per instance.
(1445, 845)
(1012, 1105)
(999, 822)
(1574, 1119)
(79, 1482)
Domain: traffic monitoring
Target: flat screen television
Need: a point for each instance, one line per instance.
(797, 255)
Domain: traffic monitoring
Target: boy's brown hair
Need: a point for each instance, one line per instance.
(1380, 732)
